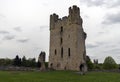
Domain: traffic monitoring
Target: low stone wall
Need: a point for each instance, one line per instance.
(97, 70)
(12, 68)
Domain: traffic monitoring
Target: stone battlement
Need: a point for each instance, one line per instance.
(72, 18)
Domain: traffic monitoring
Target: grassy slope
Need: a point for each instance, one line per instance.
(58, 76)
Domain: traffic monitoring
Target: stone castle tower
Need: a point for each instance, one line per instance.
(67, 41)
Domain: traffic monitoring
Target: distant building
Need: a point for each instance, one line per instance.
(67, 41)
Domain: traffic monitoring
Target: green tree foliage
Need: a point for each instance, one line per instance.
(109, 63)
(24, 61)
(31, 62)
(17, 61)
(6, 62)
(89, 63)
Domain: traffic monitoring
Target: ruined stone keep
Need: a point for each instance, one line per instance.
(67, 41)
(41, 60)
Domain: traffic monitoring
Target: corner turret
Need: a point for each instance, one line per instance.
(74, 15)
(53, 19)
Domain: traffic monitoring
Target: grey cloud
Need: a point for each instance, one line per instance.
(112, 18)
(95, 44)
(108, 45)
(4, 32)
(37, 48)
(91, 45)
(112, 49)
(1, 15)
(9, 37)
(93, 2)
(118, 57)
(43, 27)
(86, 16)
(115, 3)
(101, 33)
(115, 50)
(23, 40)
(18, 29)
(107, 3)
(112, 52)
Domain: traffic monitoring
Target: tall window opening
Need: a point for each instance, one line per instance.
(69, 52)
(62, 52)
(55, 51)
(61, 30)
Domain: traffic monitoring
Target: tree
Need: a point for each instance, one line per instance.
(31, 62)
(109, 63)
(89, 63)
(17, 61)
(6, 62)
(24, 61)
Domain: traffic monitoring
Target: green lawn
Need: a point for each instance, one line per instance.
(58, 76)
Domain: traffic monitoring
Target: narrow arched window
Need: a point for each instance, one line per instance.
(62, 52)
(61, 29)
(55, 51)
(69, 52)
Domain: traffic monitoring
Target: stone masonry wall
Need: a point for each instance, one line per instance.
(67, 41)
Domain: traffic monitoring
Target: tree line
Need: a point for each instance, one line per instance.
(108, 64)
(20, 62)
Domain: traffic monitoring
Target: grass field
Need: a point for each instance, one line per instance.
(58, 76)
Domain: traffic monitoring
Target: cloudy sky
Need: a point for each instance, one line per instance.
(24, 26)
